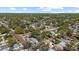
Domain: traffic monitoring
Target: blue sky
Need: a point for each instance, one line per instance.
(39, 6)
(39, 10)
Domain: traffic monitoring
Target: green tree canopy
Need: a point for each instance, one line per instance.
(19, 30)
(11, 41)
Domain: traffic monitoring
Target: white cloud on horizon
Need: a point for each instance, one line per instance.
(25, 9)
(72, 11)
(60, 10)
(45, 9)
(49, 8)
(12, 8)
(76, 11)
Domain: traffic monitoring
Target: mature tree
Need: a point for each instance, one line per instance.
(11, 41)
(19, 30)
(36, 34)
(3, 30)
